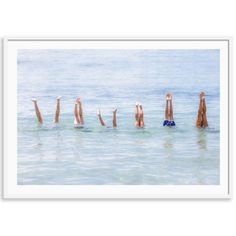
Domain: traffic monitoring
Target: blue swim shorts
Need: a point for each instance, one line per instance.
(168, 123)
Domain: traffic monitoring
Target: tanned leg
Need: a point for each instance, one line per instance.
(136, 116)
(141, 119)
(204, 118)
(76, 113)
(80, 111)
(200, 112)
(171, 109)
(114, 118)
(100, 117)
(37, 111)
(57, 113)
(166, 111)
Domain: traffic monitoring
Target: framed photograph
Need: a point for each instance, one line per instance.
(117, 117)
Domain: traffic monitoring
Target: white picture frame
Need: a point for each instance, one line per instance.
(12, 190)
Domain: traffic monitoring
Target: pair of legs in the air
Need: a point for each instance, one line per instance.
(201, 121)
(138, 117)
(38, 113)
(78, 112)
(102, 121)
(169, 118)
(139, 120)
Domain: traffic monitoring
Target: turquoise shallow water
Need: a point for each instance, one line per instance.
(126, 155)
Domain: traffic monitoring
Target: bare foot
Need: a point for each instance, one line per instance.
(77, 100)
(59, 97)
(168, 96)
(140, 106)
(202, 95)
(98, 112)
(114, 110)
(34, 100)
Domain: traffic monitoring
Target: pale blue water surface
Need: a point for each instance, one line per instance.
(95, 155)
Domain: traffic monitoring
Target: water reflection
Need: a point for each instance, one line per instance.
(201, 140)
(168, 144)
(78, 144)
(58, 143)
(38, 145)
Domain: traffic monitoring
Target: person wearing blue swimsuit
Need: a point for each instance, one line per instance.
(169, 119)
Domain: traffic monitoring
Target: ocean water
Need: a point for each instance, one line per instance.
(95, 155)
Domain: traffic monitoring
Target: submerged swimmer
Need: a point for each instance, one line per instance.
(78, 113)
(139, 120)
(201, 121)
(38, 113)
(169, 119)
(102, 121)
